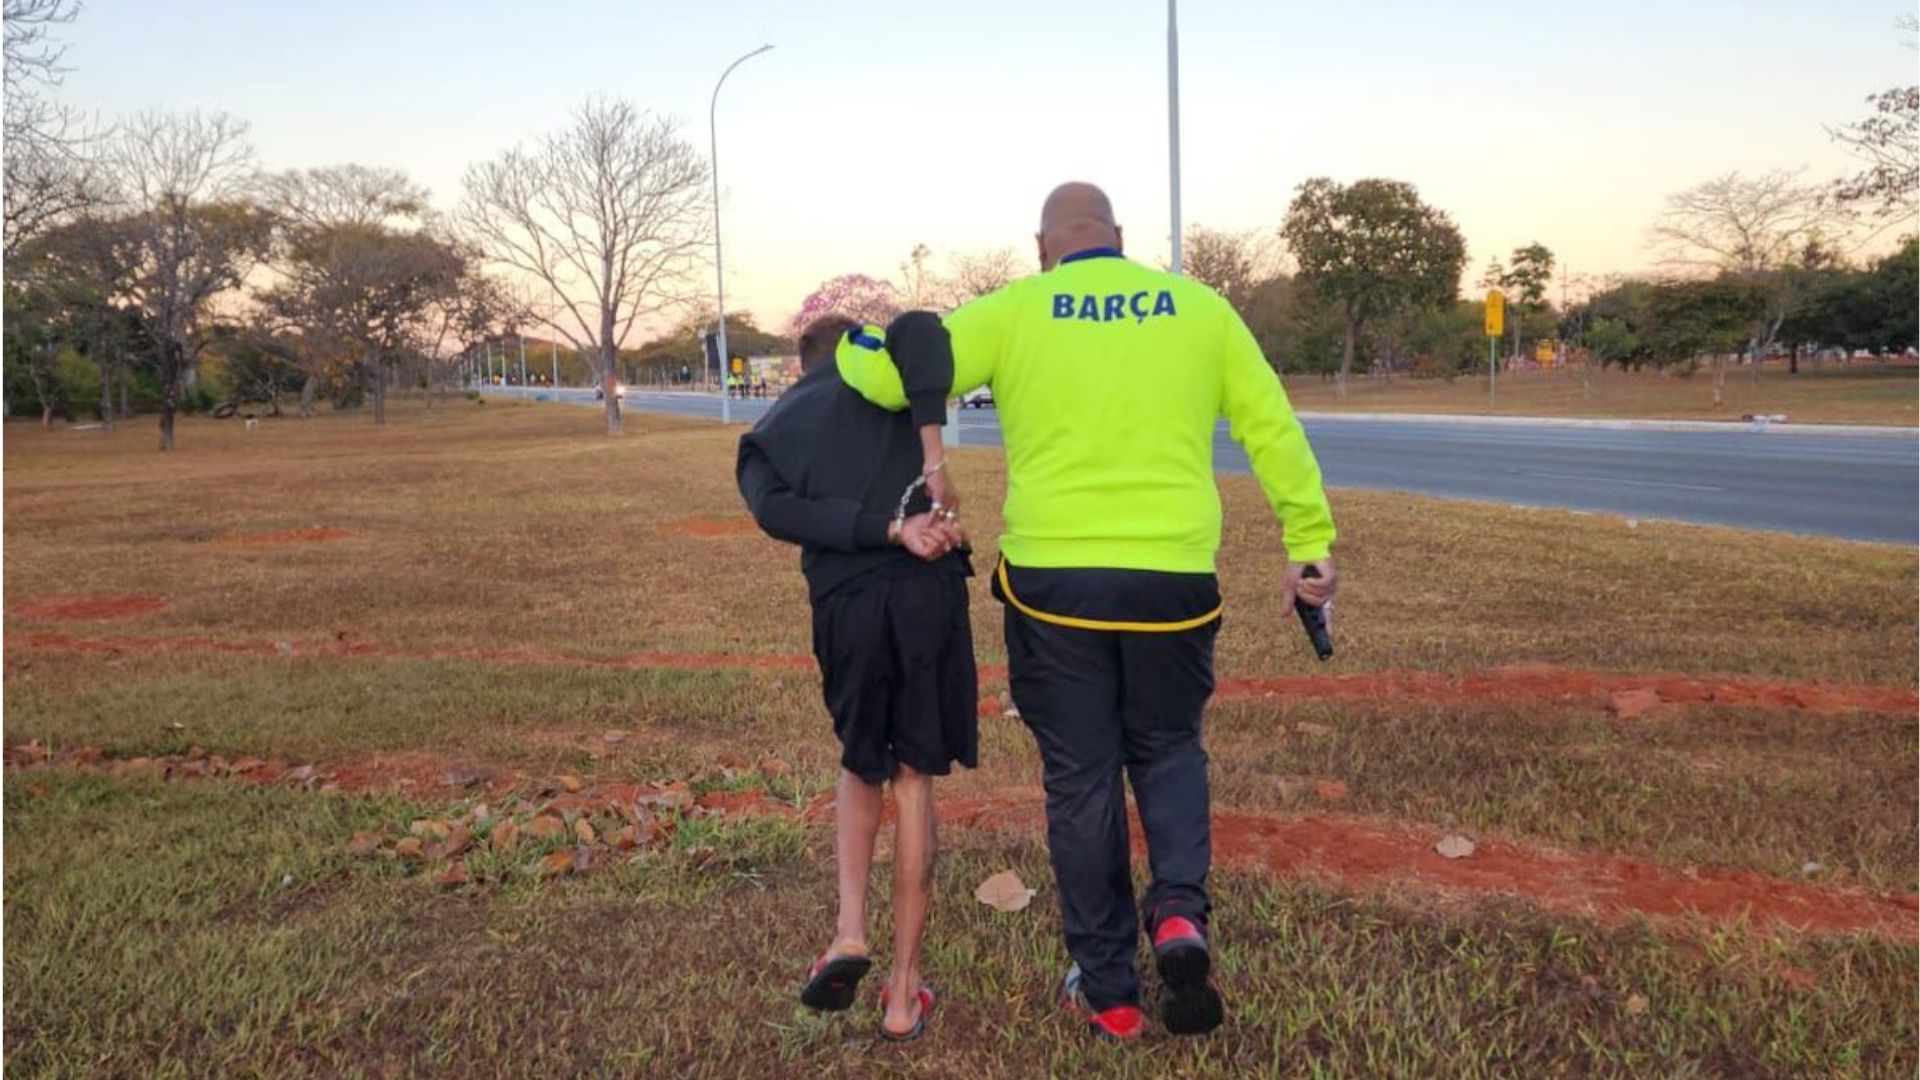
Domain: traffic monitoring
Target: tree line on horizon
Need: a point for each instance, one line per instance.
(150, 263)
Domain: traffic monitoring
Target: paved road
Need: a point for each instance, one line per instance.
(1855, 487)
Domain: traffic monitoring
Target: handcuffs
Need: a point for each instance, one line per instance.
(900, 512)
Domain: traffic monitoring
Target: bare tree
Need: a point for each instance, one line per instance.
(333, 228)
(1233, 264)
(184, 179)
(1751, 228)
(920, 287)
(343, 195)
(969, 274)
(977, 273)
(1743, 224)
(611, 215)
(33, 55)
(48, 174)
(477, 309)
(1887, 145)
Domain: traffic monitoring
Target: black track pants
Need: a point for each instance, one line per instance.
(1099, 703)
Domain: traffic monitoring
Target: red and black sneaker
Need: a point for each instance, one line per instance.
(1189, 1002)
(1122, 1023)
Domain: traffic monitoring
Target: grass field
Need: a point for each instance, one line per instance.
(238, 676)
(1861, 393)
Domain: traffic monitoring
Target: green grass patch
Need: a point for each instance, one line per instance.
(174, 945)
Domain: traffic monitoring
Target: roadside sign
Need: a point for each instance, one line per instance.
(739, 365)
(1496, 313)
(1543, 352)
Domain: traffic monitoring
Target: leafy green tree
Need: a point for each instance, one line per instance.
(1530, 272)
(685, 345)
(1711, 317)
(1899, 277)
(1848, 309)
(1370, 249)
(80, 267)
(1610, 340)
(1525, 280)
(1445, 341)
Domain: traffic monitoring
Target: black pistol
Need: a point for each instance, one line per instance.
(1314, 620)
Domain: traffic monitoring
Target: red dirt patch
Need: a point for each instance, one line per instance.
(713, 528)
(316, 534)
(750, 802)
(87, 607)
(336, 647)
(419, 773)
(1330, 791)
(1546, 683)
(1356, 854)
(1349, 853)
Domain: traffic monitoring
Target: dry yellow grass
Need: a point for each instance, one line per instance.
(233, 933)
(1863, 393)
(516, 527)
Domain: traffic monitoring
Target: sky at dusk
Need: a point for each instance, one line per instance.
(873, 126)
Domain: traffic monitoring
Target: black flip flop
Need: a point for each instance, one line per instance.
(919, 1027)
(834, 982)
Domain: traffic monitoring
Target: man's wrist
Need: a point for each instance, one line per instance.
(872, 530)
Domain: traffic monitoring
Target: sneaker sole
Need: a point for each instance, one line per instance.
(1192, 1005)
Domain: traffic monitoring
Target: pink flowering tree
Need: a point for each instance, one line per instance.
(856, 296)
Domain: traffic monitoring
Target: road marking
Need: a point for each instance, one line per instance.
(1619, 480)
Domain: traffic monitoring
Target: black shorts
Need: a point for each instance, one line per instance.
(896, 664)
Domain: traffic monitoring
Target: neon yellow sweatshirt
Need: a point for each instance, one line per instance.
(1109, 378)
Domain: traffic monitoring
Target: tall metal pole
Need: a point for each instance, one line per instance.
(719, 271)
(1173, 126)
(523, 358)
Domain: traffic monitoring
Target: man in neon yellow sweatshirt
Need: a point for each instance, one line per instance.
(1109, 378)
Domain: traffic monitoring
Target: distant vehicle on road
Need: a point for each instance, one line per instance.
(979, 398)
(619, 391)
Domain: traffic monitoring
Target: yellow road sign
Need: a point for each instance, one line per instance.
(1496, 313)
(739, 365)
(1543, 352)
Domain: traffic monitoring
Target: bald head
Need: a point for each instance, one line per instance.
(1075, 217)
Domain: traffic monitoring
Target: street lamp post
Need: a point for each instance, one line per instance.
(1173, 127)
(719, 272)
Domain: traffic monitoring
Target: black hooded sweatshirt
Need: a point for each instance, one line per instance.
(824, 469)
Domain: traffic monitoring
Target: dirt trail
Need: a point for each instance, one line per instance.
(1349, 853)
(1627, 695)
(352, 649)
(1357, 854)
(75, 608)
(1547, 683)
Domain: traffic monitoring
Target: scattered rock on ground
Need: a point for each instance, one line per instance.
(1632, 704)
(1004, 891)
